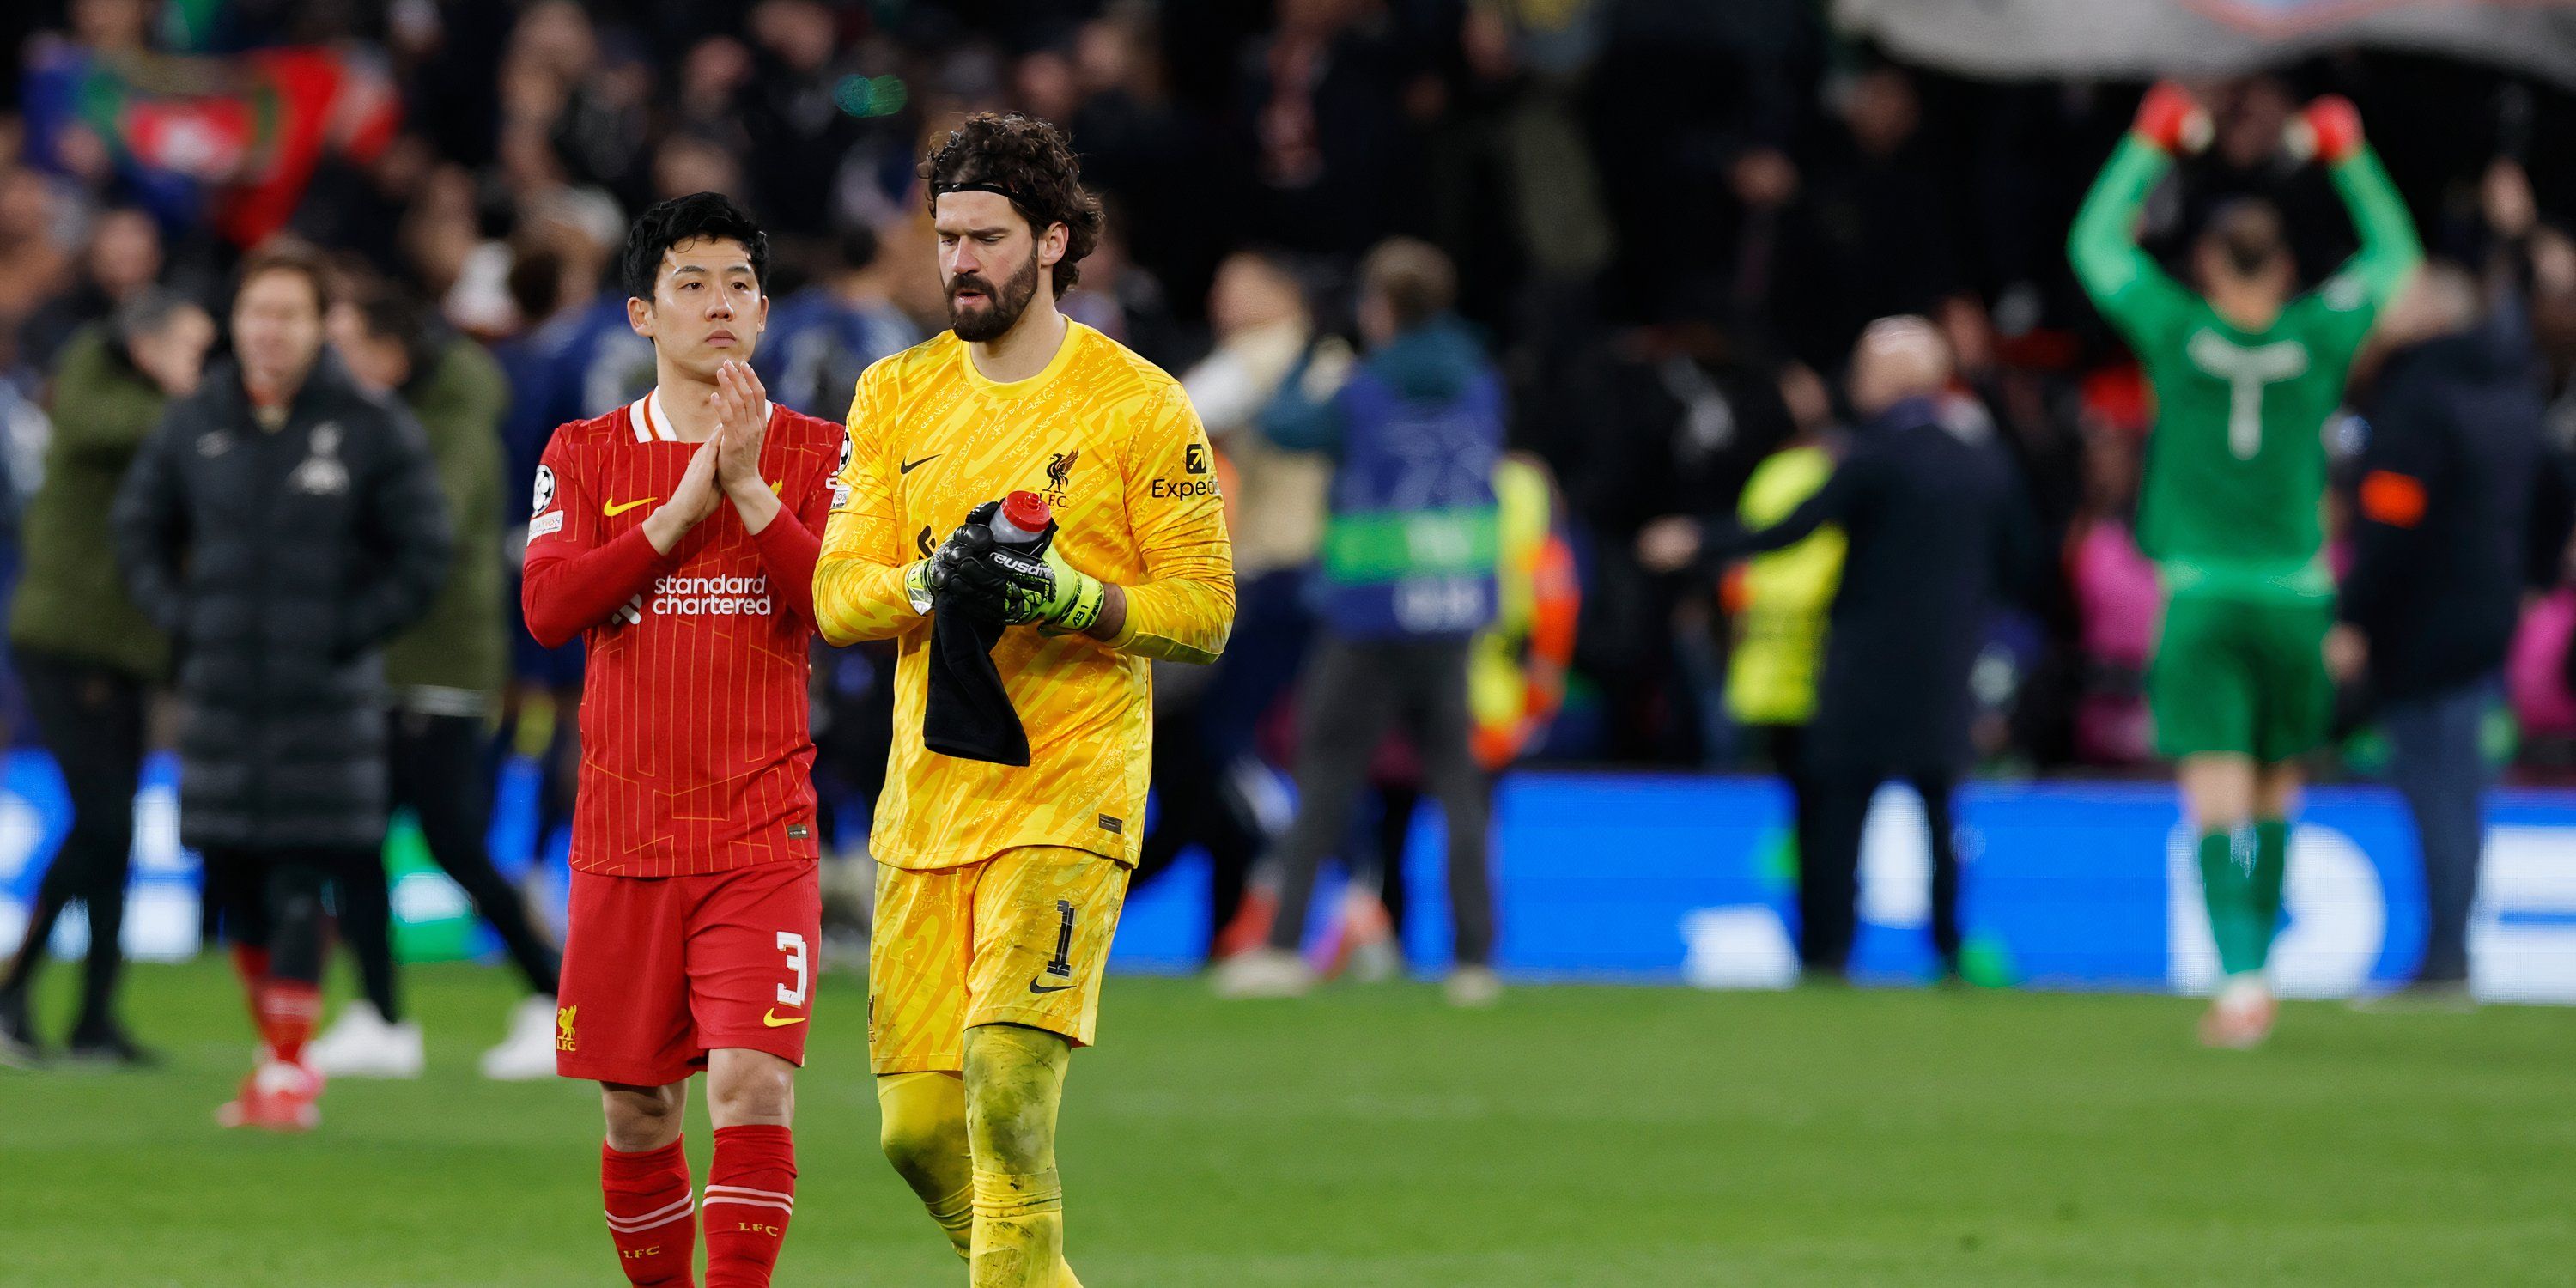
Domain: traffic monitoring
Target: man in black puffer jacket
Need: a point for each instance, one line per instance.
(2447, 537)
(280, 525)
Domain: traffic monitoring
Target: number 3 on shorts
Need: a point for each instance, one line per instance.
(792, 944)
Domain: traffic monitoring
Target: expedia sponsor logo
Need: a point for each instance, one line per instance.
(1181, 489)
(711, 597)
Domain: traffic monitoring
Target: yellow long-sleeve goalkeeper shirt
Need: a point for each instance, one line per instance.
(1113, 445)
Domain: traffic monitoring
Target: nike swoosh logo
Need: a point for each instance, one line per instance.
(909, 466)
(772, 1020)
(1043, 990)
(613, 509)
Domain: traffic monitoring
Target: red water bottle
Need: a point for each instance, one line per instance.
(1022, 520)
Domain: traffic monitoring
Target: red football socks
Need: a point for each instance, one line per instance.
(287, 1010)
(650, 1214)
(250, 966)
(751, 1192)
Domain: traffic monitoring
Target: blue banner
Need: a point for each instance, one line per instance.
(2064, 885)
(1691, 880)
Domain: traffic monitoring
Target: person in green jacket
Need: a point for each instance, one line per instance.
(445, 676)
(2245, 374)
(87, 656)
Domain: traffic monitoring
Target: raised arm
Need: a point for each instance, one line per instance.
(2126, 283)
(573, 580)
(1305, 414)
(2390, 250)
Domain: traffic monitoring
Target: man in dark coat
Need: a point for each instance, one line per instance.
(1936, 524)
(444, 675)
(2444, 544)
(86, 658)
(279, 526)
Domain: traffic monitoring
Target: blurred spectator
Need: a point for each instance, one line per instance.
(87, 656)
(797, 130)
(1206, 718)
(444, 675)
(822, 337)
(1515, 686)
(35, 261)
(281, 524)
(1779, 602)
(1408, 577)
(1936, 532)
(122, 260)
(2118, 599)
(1661, 420)
(2441, 554)
(1323, 106)
(1870, 233)
(1275, 499)
(1121, 300)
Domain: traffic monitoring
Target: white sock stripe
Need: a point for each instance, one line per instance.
(639, 1227)
(663, 1215)
(745, 1189)
(714, 1199)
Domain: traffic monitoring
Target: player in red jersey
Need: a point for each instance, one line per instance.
(677, 537)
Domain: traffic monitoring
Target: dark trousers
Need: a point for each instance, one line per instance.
(1829, 874)
(439, 774)
(91, 719)
(1352, 694)
(1786, 745)
(1196, 802)
(272, 898)
(1392, 828)
(2435, 762)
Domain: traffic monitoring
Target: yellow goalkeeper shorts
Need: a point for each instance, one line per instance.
(1019, 938)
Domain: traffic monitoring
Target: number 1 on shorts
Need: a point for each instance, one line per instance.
(1062, 966)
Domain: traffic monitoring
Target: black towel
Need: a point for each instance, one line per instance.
(969, 714)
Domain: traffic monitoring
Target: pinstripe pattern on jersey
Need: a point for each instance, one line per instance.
(1113, 444)
(696, 751)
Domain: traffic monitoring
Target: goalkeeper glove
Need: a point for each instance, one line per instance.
(2329, 130)
(1037, 587)
(2172, 119)
(926, 578)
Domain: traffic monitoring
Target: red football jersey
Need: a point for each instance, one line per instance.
(696, 755)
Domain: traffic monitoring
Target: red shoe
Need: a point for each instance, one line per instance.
(2240, 1019)
(277, 1096)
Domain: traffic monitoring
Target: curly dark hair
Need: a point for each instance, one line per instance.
(1028, 161)
(682, 219)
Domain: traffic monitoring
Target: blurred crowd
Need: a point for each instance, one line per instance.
(1672, 221)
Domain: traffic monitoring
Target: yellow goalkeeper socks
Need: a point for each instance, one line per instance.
(1014, 1085)
(923, 1131)
(1019, 1229)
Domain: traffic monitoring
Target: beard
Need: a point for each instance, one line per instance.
(1002, 307)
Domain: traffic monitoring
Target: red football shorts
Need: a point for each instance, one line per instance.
(658, 971)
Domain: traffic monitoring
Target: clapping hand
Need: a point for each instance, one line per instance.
(742, 425)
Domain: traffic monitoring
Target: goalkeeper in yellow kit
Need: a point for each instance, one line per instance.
(1000, 885)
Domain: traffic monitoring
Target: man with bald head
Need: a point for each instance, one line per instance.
(2445, 540)
(1936, 526)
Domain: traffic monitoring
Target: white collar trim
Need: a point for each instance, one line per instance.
(651, 425)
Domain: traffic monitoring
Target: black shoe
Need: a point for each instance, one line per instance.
(18, 1046)
(107, 1043)
(2428, 996)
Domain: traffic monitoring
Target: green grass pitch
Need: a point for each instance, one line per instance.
(1574, 1136)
